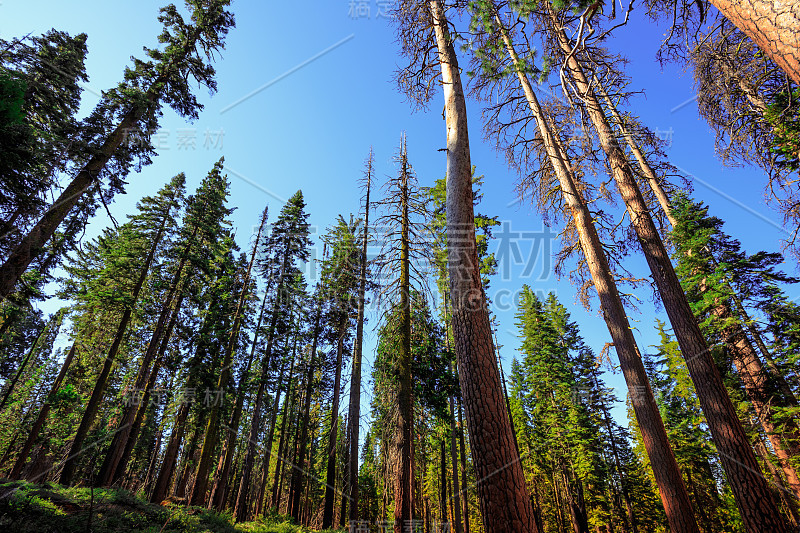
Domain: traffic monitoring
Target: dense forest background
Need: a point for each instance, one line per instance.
(230, 269)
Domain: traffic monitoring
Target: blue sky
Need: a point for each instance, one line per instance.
(305, 89)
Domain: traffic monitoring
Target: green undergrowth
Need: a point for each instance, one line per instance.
(51, 508)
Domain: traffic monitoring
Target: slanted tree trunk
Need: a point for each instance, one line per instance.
(22, 457)
(167, 469)
(119, 472)
(220, 490)
(76, 449)
(773, 26)
(756, 502)
(124, 428)
(501, 487)
(56, 320)
(672, 490)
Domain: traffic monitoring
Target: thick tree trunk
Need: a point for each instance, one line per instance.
(34, 242)
(503, 496)
(772, 25)
(753, 496)
(674, 496)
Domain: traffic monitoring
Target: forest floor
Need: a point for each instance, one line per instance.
(51, 508)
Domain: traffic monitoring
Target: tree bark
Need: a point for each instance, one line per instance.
(754, 498)
(501, 483)
(297, 472)
(22, 457)
(76, 449)
(354, 414)
(212, 431)
(330, 474)
(220, 490)
(772, 25)
(672, 490)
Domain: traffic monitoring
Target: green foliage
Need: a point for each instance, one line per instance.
(28, 508)
(784, 115)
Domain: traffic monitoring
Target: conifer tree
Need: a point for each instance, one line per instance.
(133, 107)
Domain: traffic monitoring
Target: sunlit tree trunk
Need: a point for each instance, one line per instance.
(503, 496)
(773, 25)
(756, 501)
(672, 490)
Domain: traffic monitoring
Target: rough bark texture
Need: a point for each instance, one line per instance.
(757, 503)
(672, 490)
(501, 483)
(773, 25)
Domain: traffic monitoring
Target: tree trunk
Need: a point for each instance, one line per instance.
(45, 330)
(501, 487)
(773, 26)
(404, 490)
(753, 496)
(136, 425)
(220, 490)
(674, 497)
(454, 463)
(170, 455)
(76, 449)
(644, 165)
(463, 452)
(297, 472)
(330, 475)
(212, 431)
(282, 442)
(42, 417)
(354, 414)
(123, 432)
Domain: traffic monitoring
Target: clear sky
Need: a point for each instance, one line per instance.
(305, 88)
